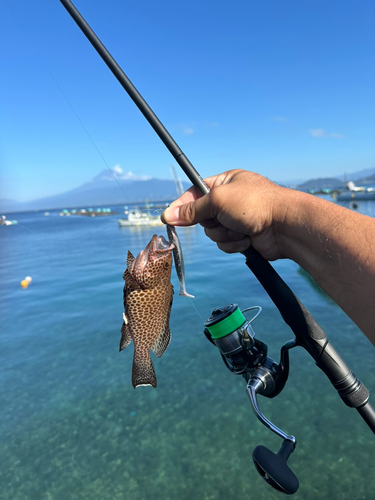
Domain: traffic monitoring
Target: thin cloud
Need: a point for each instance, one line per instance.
(126, 176)
(117, 169)
(321, 132)
(317, 132)
(187, 130)
(337, 136)
(280, 119)
(191, 128)
(212, 124)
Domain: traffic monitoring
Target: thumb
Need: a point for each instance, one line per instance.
(188, 214)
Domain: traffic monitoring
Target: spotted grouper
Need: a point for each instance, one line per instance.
(148, 296)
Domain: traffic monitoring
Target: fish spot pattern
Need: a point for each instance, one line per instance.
(148, 296)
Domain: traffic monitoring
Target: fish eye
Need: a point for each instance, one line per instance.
(166, 264)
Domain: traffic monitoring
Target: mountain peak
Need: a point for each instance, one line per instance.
(117, 173)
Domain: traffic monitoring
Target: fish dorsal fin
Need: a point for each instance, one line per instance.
(129, 259)
(131, 281)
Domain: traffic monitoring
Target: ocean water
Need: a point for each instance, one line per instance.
(71, 425)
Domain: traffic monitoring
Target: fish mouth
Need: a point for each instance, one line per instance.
(155, 249)
(159, 244)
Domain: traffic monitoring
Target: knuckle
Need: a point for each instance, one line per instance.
(217, 198)
(212, 233)
(227, 247)
(187, 212)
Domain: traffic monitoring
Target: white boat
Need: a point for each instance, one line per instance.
(136, 218)
(139, 218)
(356, 193)
(5, 222)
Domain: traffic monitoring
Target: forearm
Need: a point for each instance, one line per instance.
(336, 246)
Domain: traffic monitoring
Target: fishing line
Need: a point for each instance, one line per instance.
(92, 142)
(195, 307)
(67, 100)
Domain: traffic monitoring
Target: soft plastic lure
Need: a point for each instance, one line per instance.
(178, 259)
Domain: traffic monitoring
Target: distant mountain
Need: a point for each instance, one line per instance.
(366, 180)
(322, 183)
(339, 183)
(357, 176)
(7, 205)
(290, 183)
(102, 190)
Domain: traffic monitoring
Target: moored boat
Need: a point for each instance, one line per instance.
(5, 222)
(136, 218)
(356, 193)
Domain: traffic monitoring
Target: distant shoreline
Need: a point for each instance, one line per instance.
(143, 205)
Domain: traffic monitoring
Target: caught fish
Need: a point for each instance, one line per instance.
(148, 295)
(178, 259)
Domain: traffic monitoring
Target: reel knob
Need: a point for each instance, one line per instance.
(274, 469)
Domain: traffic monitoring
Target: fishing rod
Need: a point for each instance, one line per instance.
(228, 329)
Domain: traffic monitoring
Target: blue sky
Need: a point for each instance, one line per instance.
(284, 88)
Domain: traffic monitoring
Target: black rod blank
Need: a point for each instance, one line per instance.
(140, 102)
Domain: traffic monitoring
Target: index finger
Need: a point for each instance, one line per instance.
(192, 194)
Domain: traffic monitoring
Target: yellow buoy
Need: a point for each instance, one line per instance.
(25, 283)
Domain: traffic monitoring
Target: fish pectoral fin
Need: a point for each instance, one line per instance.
(126, 337)
(143, 369)
(162, 342)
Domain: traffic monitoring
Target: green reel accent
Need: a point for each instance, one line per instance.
(227, 325)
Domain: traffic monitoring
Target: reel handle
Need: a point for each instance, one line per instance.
(274, 469)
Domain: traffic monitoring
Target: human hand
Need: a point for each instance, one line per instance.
(242, 209)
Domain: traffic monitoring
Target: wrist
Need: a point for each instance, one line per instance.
(288, 208)
(308, 222)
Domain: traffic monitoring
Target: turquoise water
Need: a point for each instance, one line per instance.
(73, 427)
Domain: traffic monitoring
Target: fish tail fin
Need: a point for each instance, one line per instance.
(143, 369)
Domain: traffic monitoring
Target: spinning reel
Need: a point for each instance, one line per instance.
(243, 354)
